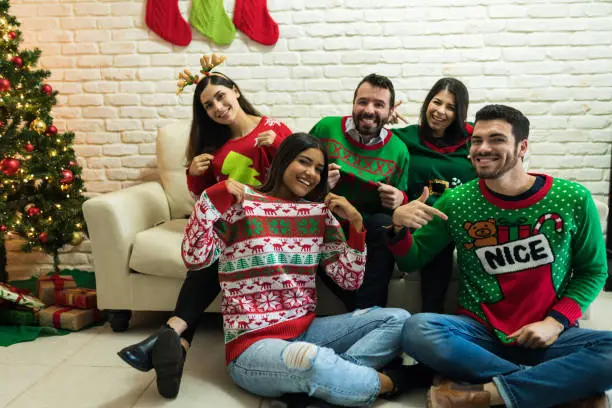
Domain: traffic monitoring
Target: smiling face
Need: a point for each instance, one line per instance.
(302, 175)
(220, 103)
(494, 151)
(371, 109)
(441, 112)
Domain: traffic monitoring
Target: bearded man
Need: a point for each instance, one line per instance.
(368, 166)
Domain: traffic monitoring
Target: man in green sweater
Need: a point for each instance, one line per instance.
(532, 258)
(368, 166)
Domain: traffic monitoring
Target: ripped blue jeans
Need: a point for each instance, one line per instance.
(335, 359)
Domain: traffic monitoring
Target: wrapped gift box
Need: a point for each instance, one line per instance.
(48, 285)
(67, 318)
(80, 298)
(19, 317)
(10, 294)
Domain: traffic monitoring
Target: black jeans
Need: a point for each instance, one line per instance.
(435, 277)
(199, 290)
(378, 269)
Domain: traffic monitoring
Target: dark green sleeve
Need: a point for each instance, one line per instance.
(404, 165)
(589, 263)
(418, 249)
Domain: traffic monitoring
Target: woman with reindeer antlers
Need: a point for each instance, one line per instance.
(229, 139)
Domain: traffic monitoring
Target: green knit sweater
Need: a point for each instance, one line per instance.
(363, 165)
(433, 167)
(519, 261)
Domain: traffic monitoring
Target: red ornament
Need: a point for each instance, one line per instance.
(72, 163)
(2, 228)
(43, 237)
(29, 147)
(32, 211)
(51, 131)
(5, 85)
(10, 166)
(12, 35)
(67, 177)
(17, 61)
(46, 89)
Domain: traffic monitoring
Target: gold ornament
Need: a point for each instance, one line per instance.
(77, 238)
(65, 187)
(38, 126)
(37, 184)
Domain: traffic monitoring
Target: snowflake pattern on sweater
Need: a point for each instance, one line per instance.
(268, 251)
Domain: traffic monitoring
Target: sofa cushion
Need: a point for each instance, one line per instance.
(171, 146)
(157, 251)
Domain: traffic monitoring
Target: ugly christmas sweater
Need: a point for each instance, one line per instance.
(436, 168)
(363, 165)
(269, 250)
(240, 160)
(519, 261)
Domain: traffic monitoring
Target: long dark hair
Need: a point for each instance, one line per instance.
(206, 135)
(288, 150)
(456, 130)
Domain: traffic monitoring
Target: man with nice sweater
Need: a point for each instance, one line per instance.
(368, 166)
(531, 258)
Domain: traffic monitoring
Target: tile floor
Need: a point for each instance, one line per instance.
(81, 370)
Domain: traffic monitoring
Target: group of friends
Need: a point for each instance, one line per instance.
(349, 201)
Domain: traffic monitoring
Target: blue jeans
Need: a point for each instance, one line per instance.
(577, 365)
(335, 359)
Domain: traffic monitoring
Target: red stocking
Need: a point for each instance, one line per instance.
(252, 18)
(164, 18)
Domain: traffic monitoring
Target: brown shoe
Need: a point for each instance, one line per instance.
(596, 401)
(451, 395)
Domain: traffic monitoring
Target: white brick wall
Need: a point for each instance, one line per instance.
(551, 59)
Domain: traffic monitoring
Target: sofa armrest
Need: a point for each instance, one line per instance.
(113, 220)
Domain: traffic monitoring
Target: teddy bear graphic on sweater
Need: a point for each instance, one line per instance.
(483, 233)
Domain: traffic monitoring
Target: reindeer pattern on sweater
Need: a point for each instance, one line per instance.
(268, 251)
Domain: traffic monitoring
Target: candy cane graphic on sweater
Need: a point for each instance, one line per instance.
(550, 216)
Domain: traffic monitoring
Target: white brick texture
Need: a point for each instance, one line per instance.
(550, 58)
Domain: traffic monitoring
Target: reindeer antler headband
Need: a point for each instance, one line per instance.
(207, 62)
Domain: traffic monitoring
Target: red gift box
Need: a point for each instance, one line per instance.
(67, 317)
(79, 298)
(48, 285)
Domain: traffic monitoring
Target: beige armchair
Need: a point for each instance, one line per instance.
(136, 236)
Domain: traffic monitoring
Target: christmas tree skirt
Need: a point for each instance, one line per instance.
(10, 335)
(83, 279)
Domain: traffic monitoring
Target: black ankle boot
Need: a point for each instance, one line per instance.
(139, 355)
(168, 358)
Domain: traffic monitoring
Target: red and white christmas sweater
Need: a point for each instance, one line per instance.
(240, 160)
(268, 251)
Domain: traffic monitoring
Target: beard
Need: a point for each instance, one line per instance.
(495, 173)
(369, 131)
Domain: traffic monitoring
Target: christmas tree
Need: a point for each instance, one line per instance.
(40, 183)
